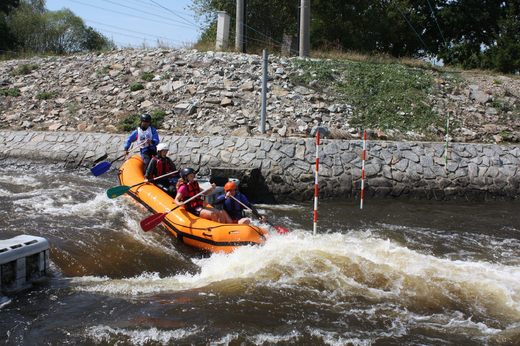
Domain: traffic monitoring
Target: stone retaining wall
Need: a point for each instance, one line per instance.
(285, 166)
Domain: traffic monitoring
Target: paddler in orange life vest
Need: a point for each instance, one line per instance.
(147, 139)
(160, 165)
(188, 187)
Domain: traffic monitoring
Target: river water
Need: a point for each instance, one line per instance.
(398, 273)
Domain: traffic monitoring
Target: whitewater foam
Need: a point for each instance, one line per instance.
(102, 334)
(345, 264)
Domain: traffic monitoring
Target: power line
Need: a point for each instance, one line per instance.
(136, 32)
(155, 7)
(126, 14)
(175, 14)
(264, 35)
(436, 22)
(146, 12)
(411, 26)
(131, 36)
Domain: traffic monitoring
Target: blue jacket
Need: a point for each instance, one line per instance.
(133, 137)
(232, 207)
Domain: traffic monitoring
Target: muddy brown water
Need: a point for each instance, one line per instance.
(401, 272)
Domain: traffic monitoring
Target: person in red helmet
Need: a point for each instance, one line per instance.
(233, 208)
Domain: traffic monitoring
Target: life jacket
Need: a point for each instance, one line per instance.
(143, 136)
(163, 166)
(193, 189)
(233, 208)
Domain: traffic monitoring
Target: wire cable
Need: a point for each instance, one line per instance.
(136, 32)
(126, 14)
(149, 13)
(411, 26)
(436, 22)
(264, 35)
(175, 14)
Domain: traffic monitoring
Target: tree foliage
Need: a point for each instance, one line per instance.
(6, 37)
(469, 33)
(30, 27)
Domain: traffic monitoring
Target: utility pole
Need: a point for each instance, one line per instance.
(239, 31)
(305, 21)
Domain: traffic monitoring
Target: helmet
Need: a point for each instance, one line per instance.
(162, 146)
(146, 117)
(230, 185)
(186, 171)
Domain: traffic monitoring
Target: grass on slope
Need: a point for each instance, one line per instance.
(385, 96)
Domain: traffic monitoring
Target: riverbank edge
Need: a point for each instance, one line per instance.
(277, 169)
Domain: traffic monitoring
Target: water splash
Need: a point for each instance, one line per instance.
(101, 334)
(339, 266)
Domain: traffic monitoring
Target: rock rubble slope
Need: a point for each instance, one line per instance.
(208, 93)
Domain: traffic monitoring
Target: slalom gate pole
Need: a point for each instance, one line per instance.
(363, 158)
(447, 137)
(315, 225)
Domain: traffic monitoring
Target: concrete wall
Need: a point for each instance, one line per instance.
(285, 166)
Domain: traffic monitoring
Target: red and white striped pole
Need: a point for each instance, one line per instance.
(315, 225)
(363, 158)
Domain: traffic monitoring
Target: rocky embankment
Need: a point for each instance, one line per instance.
(207, 93)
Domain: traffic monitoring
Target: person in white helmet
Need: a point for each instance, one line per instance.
(161, 165)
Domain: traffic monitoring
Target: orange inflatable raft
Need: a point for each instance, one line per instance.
(192, 230)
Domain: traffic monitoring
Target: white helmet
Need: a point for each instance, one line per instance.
(162, 146)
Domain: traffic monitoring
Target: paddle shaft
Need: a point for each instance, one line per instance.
(154, 179)
(133, 150)
(155, 219)
(104, 166)
(254, 212)
(251, 210)
(193, 197)
(116, 191)
(117, 158)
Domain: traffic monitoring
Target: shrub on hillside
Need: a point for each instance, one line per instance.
(131, 122)
(24, 69)
(147, 76)
(10, 92)
(135, 86)
(45, 95)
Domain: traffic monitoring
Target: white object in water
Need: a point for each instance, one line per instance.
(23, 260)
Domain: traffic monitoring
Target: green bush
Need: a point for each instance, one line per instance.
(147, 76)
(24, 69)
(45, 95)
(131, 122)
(10, 92)
(136, 86)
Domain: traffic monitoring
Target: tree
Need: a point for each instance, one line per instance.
(64, 31)
(28, 28)
(267, 21)
(38, 30)
(93, 40)
(471, 33)
(6, 6)
(504, 54)
(7, 41)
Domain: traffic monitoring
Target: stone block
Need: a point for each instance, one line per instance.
(401, 165)
(288, 149)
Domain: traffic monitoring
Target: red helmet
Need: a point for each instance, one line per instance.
(230, 186)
